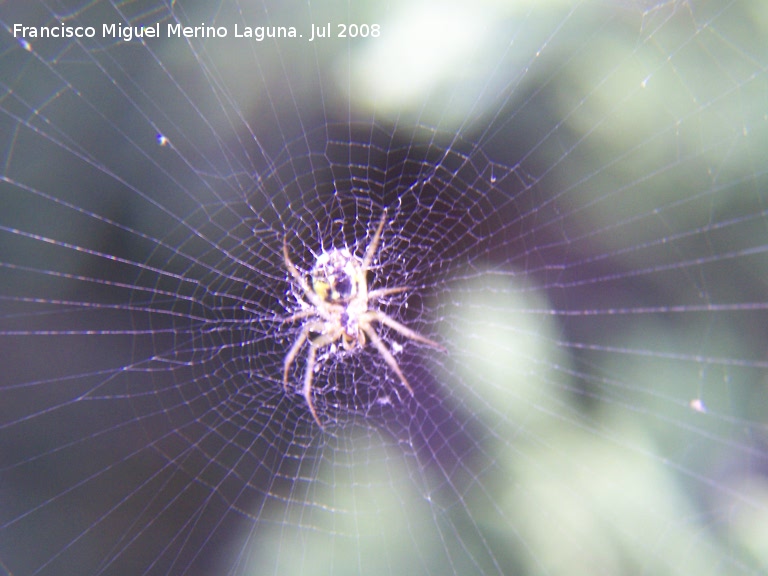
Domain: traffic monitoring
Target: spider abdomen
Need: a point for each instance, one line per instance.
(336, 276)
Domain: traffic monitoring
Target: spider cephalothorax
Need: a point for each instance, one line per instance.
(339, 308)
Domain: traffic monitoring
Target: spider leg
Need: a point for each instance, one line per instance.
(371, 251)
(298, 316)
(291, 356)
(382, 318)
(385, 353)
(308, 376)
(381, 292)
(319, 342)
(294, 351)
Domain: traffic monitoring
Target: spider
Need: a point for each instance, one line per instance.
(339, 308)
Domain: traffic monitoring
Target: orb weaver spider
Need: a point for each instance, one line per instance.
(338, 307)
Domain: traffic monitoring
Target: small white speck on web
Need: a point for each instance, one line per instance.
(397, 347)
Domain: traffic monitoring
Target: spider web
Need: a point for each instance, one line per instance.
(575, 200)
